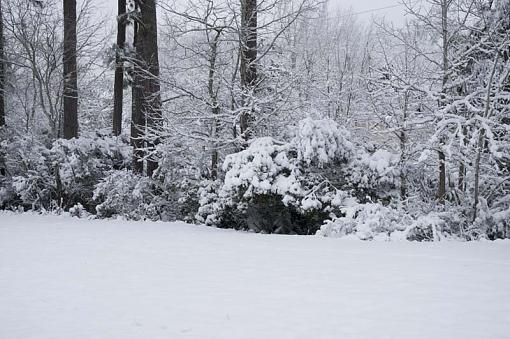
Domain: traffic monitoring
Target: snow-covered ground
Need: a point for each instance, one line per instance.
(63, 277)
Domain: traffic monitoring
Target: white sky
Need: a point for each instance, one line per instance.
(393, 10)
(365, 9)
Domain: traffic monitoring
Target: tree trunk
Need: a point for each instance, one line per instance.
(70, 71)
(248, 67)
(118, 88)
(479, 151)
(441, 190)
(137, 118)
(215, 108)
(2, 70)
(2, 91)
(147, 79)
(461, 186)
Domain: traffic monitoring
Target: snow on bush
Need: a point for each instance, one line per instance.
(304, 179)
(428, 227)
(86, 157)
(32, 180)
(365, 221)
(501, 216)
(374, 221)
(208, 202)
(138, 197)
(78, 211)
(321, 141)
(83, 162)
(64, 174)
(374, 175)
(127, 194)
(265, 167)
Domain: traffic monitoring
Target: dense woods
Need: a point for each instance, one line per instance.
(272, 116)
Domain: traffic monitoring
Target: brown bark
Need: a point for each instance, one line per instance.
(2, 91)
(2, 70)
(248, 67)
(70, 71)
(148, 105)
(118, 88)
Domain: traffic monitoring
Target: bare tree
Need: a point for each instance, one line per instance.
(33, 30)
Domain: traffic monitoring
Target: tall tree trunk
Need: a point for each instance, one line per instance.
(118, 88)
(461, 186)
(479, 150)
(70, 71)
(147, 78)
(441, 190)
(2, 90)
(403, 150)
(2, 70)
(137, 118)
(248, 67)
(215, 108)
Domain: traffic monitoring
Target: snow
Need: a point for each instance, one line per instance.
(63, 277)
(259, 168)
(321, 141)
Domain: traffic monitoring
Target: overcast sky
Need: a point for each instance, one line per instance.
(364, 9)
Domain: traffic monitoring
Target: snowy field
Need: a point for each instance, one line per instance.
(63, 277)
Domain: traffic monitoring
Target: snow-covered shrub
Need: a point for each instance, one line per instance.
(177, 179)
(365, 221)
(369, 221)
(83, 162)
(64, 174)
(492, 223)
(428, 227)
(260, 187)
(78, 211)
(127, 194)
(31, 176)
(321, 142)
(7, 194)
(265, 167)
(374, 176)
(136, 197)
(208, 202)
(284, 187)
(500, 213)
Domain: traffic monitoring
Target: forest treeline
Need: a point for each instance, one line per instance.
(272, 116)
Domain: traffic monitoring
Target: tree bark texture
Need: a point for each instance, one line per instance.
(70, 71)
(147, 101)
(248, 66)
(118, 89)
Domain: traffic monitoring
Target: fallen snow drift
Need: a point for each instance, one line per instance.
(63, 277)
